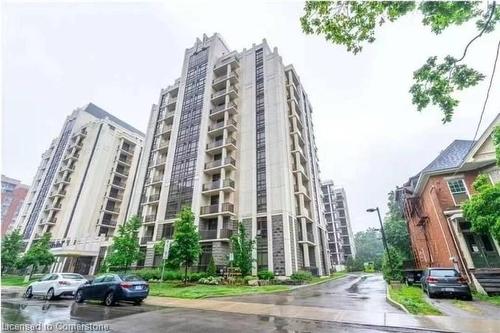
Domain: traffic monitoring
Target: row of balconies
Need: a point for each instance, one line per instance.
(219, 110)
(231, 124)
(216, 164)
(221, 143)
(219, 185)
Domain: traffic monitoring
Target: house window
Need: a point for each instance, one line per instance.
(458, 190)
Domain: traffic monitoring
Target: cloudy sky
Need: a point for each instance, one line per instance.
(56, 57)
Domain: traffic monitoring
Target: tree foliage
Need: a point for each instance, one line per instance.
(12, 244)
(396, 231)
(125, 248)
(353, 24)
(211, 269)
(496, 141)
(242, 247)
(393, 268)
(185, 249)
(483, 208)
(369, 247)
(38, 255)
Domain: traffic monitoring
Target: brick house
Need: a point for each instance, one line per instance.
(431, 202)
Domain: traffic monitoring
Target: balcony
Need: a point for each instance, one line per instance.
(119, 184)
(124, 160)
(153, 198)
(121, 172)
(300, 169)
(163, 130)
(213, 166)
(112, 210)
(221, 66)
(218, 128)
(208, 234)
(219, 96)
(58, 193)
(156, 179)
(51, 221)
(218, 111)
(226, 209)
(218, 185)
(115, 196)
(158, 162)
(215, 147)
(220, 82)
(108, 223)
(162, 145)
(68, 168)
(146, 239)
(149, 218)
(63, 181)
(166, 115)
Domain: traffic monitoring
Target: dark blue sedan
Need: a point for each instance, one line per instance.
(111, 288)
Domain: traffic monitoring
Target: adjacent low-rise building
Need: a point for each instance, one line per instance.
(431, 202)
(82, 188)
(233, 139)
(13, 194)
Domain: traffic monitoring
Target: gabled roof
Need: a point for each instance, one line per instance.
(450, 158)
(102, 114)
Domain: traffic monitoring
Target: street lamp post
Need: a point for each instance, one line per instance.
(384, 240)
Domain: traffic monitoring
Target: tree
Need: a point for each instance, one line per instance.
(396, 231)
(368, 247)
(353, 23)
(393, 269)
(212, 269)
(242, 247)
(125, 248)
(12, 245)
(38, 255)
(483, 208)
(185, 249)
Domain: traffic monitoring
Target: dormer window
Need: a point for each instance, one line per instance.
(458, 191)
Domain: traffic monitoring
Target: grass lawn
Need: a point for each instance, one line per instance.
(333, 276)
(413, 299)
(176, 289)
(495, 300)
(13, 280)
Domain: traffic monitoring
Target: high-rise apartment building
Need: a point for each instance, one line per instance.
(13, 194)
(82, 188)
(340, 237)
(233, 139)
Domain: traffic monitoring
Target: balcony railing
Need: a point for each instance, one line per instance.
(111, 223)
(150, 218)
(225, 77)
(154, 197)
(118, 183)
(166, 115)
(226, 233)
(223, 107)
(218, 163)
(310, 236)
(146, 239)
(125, 160)
(213, 209)
(218, 184)
(156, 179)
(208, 234)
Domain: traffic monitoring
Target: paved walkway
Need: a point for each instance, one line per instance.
(437, 323)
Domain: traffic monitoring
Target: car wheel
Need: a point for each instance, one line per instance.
(109, 299)
(138, 302)
(50, 294)
(431, 295)
(79, 296)
(28, 293)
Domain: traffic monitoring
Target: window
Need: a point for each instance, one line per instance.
(458, 190)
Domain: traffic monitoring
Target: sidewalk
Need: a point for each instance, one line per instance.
(438, 323)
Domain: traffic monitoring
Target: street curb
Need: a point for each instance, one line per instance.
(393, 302)
(319, 282)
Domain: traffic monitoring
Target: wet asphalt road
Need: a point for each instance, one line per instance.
(355, 292)
(350, 293)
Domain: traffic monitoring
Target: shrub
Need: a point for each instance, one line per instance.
(301, 276)
(249, 277)
(265, 275)
(148, 274)
(212, 269)
(193, 277)
(212, 280)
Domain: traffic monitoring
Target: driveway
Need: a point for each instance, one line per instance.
(355, 292)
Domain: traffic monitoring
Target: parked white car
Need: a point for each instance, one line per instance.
(55, 284)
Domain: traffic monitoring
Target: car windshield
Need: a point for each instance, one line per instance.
(72, 276)
(444, 273)
(130, 278)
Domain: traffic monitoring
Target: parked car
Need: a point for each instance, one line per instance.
(445, 281)
(111, 288)
(55, 285)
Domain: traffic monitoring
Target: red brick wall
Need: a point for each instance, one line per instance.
(434, 244)
(18, 196)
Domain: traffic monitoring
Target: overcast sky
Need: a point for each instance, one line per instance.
(56, 57)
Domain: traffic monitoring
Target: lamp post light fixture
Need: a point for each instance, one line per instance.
(384, 240)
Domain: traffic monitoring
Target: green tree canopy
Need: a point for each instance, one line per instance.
(396, 231)
(12, 244)
(369, 247)
(353, 24)
(185, 249)
(483, 208)
(242, 247)
(125, 248)
(38, 255)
